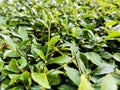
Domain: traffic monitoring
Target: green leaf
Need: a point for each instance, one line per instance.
(36, 87)
(1, 65)
(108, 83)
(23, 33)
(95, 58)
(44, 23)
(2, 20)
(54, 79)
(41, 79)
(60, 59)
(10, 53)
(105, 69)
(13, 66)
(14, 78)
(22, 62)
(85, 84)
(44, 16)
(113, 35)
(40, 53)
(110, 23)
(66, 87)
(80, 63)
(52, 41)
(25, 77)
(116, 56)
(9, 41)
(106, 55)
(73, 74)
(17, 88)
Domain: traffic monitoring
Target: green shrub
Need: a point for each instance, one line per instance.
(59, 45)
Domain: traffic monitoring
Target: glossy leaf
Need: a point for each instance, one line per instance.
(60, 60)
(75, 77)
(116, 56)
(95, 58)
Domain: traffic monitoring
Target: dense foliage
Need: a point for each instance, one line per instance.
(59, 44)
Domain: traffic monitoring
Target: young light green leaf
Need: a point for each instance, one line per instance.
(113, 35)
(60, 59)
(40, 53)
(85, 84)
(41, 79)
(9, 41)
(73, 74)
(23, 33)
(110, 23)
(116, 56)
(95, 58)
(109, 83)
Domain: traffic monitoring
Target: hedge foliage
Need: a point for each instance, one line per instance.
(59, 45)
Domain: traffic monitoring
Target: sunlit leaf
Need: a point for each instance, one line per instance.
(95, 58)
(10, 53)
(108, 83)
(85, 84)
(41, 79)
